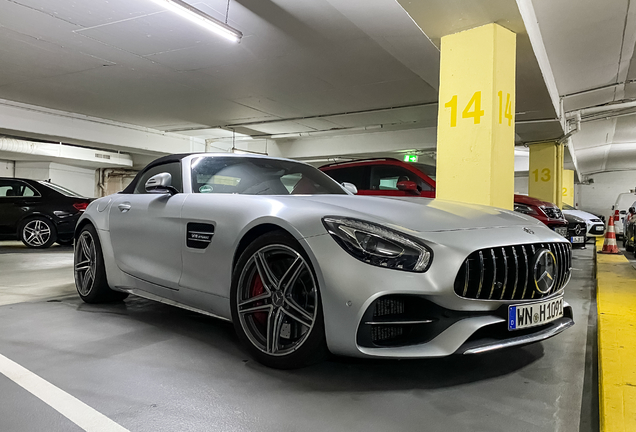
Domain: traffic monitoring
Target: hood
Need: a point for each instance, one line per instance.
(523, 199)
(581, 214)
(419, 214)
(573, 218)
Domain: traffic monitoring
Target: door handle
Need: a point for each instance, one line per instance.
(124, 207)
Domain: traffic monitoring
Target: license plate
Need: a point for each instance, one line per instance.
(561, 231)
(578, 240)
(535, 314)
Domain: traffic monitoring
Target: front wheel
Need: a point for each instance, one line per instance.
(276, 307)
(90, 272)
(38, 233)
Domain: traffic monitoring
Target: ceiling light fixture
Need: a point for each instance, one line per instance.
(201, 18)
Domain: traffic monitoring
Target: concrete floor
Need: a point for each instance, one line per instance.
(151, 367)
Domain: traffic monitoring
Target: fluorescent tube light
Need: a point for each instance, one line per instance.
(201, 18)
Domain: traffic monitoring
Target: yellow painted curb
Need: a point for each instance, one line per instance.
(616, 305)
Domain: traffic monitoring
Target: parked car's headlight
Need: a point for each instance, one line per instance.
(379, 246)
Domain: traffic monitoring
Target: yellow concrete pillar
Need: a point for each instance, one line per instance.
(476, 120)
(568, 187)
(546, 172)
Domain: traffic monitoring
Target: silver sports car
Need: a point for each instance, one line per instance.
(302, 267)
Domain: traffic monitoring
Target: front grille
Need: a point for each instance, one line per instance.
(552, 212)
(505, 273)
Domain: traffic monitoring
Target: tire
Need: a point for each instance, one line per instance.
(276, 271)
(38, 233)
(89, 269)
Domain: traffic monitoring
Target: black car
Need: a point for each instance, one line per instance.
(39, 213)
(577, 230)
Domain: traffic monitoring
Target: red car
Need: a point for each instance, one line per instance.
(546, 212)
(386, 177)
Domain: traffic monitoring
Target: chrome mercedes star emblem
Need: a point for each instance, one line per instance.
(544, 271)
(528, 230)
(578, 230)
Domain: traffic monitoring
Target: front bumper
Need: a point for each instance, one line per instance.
(350, 287)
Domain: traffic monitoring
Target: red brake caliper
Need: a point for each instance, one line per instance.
(258, 289)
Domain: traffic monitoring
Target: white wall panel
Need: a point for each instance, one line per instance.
(7, 168)
(80, 180)
(600, 196)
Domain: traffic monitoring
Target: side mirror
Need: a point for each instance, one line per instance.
(161, 184)
(350, 187)
(407, 186)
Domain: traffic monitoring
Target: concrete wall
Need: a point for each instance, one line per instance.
(80, 180)
(600, 196)
(7, 168)
(521, 184)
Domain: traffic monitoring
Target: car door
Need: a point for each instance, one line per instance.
(146, 230)
(16, 198)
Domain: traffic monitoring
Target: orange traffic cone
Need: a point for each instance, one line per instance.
(609, 246)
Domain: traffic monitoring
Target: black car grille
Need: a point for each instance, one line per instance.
(552, 212)
(506, 273)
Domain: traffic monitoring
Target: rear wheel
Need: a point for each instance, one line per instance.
(276, 307)
(90, 272)
(38, 233)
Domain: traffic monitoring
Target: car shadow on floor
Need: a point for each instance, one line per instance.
(17, 247)
(220, 342)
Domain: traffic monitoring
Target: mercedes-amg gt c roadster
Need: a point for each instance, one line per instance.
(302, 267)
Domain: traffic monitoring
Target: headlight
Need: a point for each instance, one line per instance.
(379, 246)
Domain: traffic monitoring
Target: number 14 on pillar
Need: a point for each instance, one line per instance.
(473, 109)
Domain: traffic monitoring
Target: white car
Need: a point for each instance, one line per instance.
(623, 202)
(595, 226)
(301, 266)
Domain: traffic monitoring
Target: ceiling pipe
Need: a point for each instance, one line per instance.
(50, 151)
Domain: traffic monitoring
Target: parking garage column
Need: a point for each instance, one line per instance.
(568, 187)
(546, 172)
(475, 130)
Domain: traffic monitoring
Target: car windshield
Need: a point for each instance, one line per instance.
(429, 170)
(568, 207)
(259, 176)
(60, 189)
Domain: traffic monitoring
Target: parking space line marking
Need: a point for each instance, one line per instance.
(616, 303)
(69, 406)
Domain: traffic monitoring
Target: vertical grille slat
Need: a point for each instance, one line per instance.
(514, 288)
(481, 273)
(527, 267)
(505, 266)
(494, 273)
(494, 268)
(466, 277)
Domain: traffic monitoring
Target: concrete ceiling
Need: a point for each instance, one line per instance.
(590, 46)
(309, 66)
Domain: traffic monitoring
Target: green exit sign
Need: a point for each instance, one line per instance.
(410, 158)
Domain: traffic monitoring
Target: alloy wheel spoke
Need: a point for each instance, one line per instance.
(85, 248)
(83, 265)
(297, 313)
(274, 326)
(291, 275)
(265, 272)
(256, 309)
(29, 230)
(87, 277)
(261, 297)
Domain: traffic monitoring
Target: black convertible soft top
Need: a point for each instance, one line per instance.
(162, 160)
